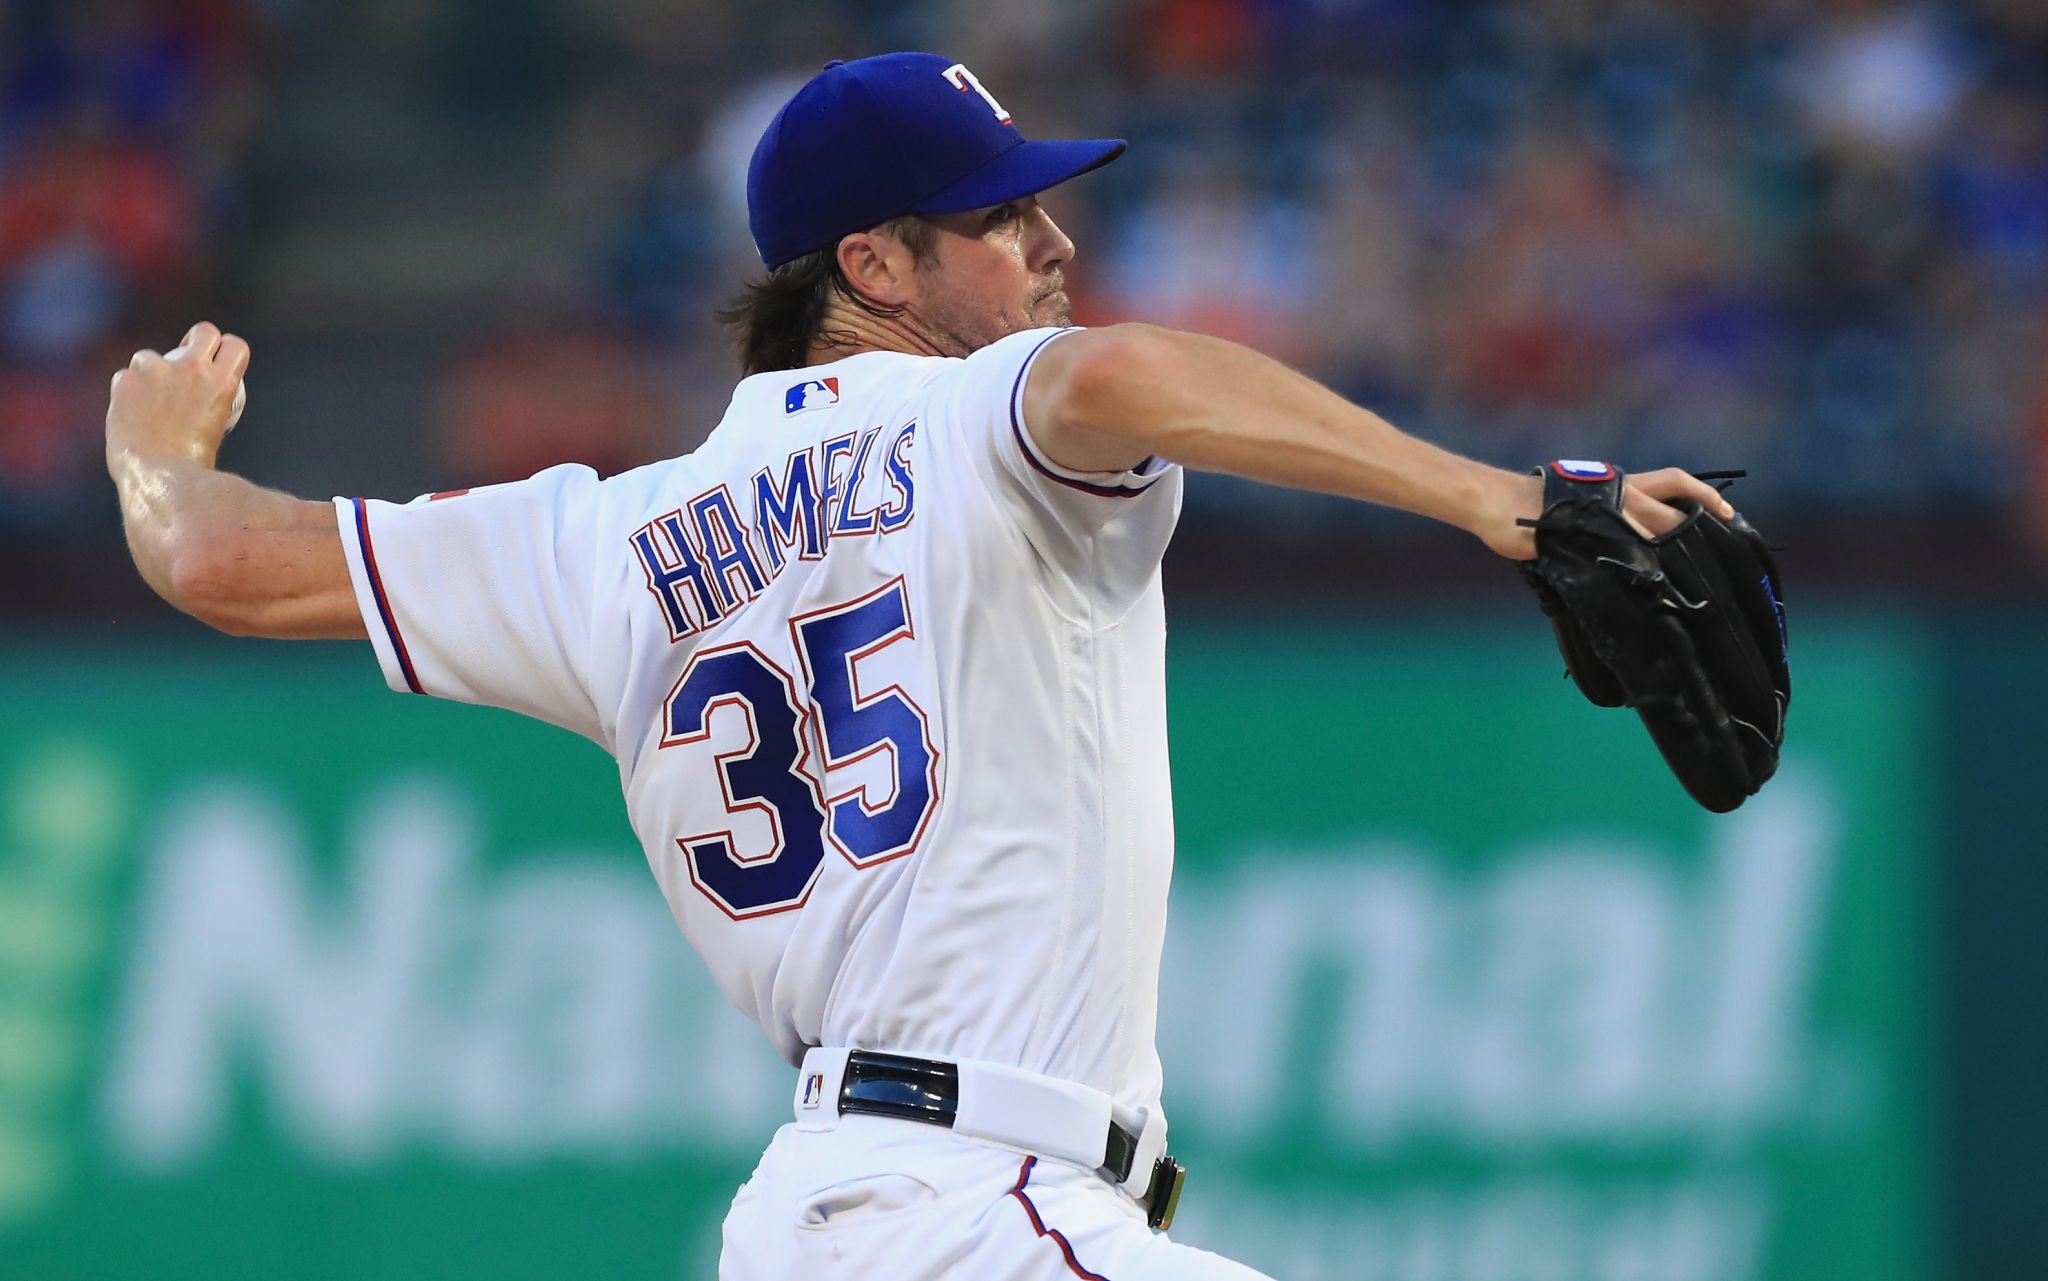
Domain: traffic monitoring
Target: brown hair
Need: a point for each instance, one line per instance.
(782, 315)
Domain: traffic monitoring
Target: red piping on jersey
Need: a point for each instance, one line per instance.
(1031, 455)
(1038, 1224)
(412, 679)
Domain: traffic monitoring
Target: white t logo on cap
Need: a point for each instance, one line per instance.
(962, 79)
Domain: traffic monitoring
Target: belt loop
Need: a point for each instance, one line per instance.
(1033, 1113)
(1151, 1132)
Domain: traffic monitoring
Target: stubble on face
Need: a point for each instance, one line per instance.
(1049, 302)
(960, 322)
(964, 306)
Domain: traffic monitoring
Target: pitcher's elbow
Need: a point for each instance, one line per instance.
(206, 583)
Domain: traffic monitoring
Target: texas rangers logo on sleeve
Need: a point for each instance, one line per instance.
(818, 393)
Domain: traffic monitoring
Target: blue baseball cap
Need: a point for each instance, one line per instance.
(902, 133)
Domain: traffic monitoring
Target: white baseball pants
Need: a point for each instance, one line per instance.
(876, 1199)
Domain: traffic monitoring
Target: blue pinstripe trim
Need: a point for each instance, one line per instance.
(412, 678)
(1030, 456)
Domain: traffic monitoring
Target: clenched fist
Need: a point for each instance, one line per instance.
(181, 403)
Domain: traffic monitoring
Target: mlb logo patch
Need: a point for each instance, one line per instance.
(814, 1087)
(818, 393)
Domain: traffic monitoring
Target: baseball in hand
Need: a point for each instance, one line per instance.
(241, 391)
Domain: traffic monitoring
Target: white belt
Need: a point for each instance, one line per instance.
(1005, 1105)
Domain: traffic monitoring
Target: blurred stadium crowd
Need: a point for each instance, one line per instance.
(1806, 238)
(122, 129)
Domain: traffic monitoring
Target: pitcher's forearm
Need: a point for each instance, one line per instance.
(166, 516)
(1305, 436)
(1217, 406)
(234, 555)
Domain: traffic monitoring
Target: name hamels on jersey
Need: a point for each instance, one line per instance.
(703, 560)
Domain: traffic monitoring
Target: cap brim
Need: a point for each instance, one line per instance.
(1024, 170)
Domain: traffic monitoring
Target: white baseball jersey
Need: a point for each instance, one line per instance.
(886, 688)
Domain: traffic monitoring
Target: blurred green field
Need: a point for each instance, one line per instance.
(302, 978)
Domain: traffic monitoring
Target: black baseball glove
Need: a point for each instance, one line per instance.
(1687, 628)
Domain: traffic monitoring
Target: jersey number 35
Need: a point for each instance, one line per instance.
(766, 774)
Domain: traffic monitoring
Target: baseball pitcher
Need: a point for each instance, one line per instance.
(882, 664)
